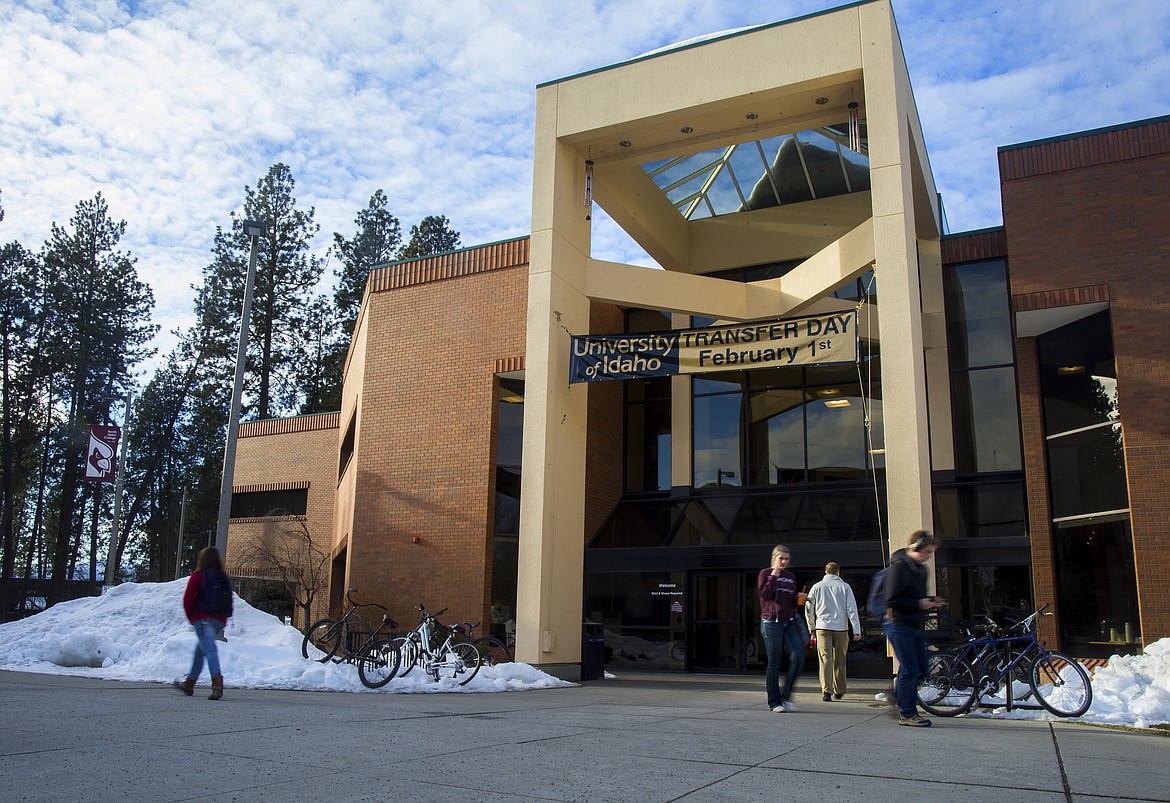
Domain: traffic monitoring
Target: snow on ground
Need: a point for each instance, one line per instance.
(137, 631)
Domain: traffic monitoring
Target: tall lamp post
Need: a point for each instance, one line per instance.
(111, 575)
(253, 230)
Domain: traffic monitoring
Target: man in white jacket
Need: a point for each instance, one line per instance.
(830, 610)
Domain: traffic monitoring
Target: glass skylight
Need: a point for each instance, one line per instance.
(764, 173)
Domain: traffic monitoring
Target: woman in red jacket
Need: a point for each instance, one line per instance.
(208, 618)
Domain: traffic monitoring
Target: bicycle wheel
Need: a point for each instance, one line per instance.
(378, 664)
(323, 636)
(948, 688)
(1061, 685)
(493, 651)
(460, 663)
(408, 653)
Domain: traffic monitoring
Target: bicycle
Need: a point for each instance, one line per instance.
(957, 680)
(439, 650)
(327, 635)
(492, 650)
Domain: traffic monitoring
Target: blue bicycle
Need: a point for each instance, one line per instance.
(1009, 663)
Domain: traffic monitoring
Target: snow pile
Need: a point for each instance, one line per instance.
(137, 631)
(1133, 690)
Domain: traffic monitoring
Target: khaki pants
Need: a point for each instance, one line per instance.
(832, 645)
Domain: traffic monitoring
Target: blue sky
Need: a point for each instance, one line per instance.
(170, 108)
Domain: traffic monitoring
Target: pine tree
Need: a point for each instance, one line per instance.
(24, 375)
(98, 329)
(377, 240)
(433, 235)
(328, 333)
(286, 275)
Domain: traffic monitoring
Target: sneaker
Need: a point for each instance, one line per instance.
(916, 721)
(789, 705)
(777, 709)
(838, 696)
(827, 697)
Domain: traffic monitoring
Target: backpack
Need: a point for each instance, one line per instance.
(876, 603)
(215, 594)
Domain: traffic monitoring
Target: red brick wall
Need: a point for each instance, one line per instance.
(1092, 211)
(424, 453)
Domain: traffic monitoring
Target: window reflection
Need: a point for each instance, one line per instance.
(1003, 592)
(1098, 587)
(506, 519)
(1087, 471)
(979, 329)
(776, 436)
(986, 510)
(642, 614)
(835, 418)
(987, 423)
(717, 440)
(1078, 375)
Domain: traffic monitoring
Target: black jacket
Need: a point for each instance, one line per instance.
(905, 587)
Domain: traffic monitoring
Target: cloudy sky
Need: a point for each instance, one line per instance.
(169, 108)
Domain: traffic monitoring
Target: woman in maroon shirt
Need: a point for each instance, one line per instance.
(782, 634)
(208, 627)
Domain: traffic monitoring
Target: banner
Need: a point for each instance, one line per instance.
(100, 462)
(813, 340)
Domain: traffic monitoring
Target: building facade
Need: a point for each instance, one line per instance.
(1005, 390)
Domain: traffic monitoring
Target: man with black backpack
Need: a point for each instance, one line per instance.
(906, 603)
(208, 604)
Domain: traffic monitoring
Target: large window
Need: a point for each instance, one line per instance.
(264, 504)
(648, 433)
(1096, 581)
(506, 536)
(787, 425)
(983, 382)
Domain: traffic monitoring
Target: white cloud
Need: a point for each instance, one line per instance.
(171, 109)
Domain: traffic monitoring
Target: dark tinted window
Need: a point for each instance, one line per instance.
(269, 503)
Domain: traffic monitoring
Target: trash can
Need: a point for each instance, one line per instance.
(593, 652)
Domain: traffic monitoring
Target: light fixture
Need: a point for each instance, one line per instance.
(837, 403)
(686, 129)
(625, 143)
(823, 392)
(854, 128)
(1067, 370)
(822, 101)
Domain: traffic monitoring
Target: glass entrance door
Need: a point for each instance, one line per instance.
(724, 630)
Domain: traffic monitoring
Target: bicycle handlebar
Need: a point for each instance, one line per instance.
(349, 596)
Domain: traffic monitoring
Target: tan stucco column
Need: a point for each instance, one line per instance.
(552, 495)
(890, 105)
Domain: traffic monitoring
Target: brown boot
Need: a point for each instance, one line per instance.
(186, 686)
(216, 687)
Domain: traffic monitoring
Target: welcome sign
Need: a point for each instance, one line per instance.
(816, 339)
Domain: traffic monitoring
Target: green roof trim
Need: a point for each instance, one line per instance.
(669, 49)
(1090, 133)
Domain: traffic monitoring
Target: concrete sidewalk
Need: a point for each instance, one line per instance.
(638, 737)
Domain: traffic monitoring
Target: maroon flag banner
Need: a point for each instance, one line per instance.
(100, 452)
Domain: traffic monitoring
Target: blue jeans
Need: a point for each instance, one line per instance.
(780, 639)
(909, 645)
(205, 631)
